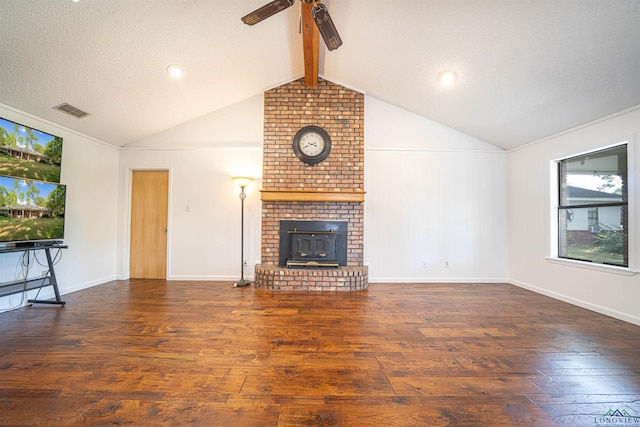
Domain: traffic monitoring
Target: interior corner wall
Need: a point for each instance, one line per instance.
(90, 171)
(436, 201)
(531, 213)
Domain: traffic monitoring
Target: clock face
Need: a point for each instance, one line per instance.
(312, 144)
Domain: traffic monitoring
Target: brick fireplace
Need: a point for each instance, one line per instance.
(332, 190)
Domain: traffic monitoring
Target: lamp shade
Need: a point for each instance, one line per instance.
(242, 181)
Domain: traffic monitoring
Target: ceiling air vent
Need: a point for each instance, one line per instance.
(70, 109)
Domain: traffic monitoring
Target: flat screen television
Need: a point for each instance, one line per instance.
(26, 152)
(30, 211)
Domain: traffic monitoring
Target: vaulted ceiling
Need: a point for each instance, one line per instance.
(525, 69)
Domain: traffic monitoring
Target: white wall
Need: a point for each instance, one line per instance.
(436, 183)
(204, 210)
(531, 215)
(90, 171)
(238, 125)
(433, 196)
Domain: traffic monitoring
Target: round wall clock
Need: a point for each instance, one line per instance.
(312, 144)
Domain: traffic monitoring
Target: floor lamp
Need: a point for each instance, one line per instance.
(242, 182)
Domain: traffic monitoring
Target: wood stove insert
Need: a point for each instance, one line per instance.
(313, 243)
(312, 249)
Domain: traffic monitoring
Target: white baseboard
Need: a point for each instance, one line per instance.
(81, 286)
(438, 280)
(207, 278)
(578, 302)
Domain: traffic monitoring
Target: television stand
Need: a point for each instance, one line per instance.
(24, 285)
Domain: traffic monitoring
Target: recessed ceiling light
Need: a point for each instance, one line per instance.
(174, 71)
(447, 78)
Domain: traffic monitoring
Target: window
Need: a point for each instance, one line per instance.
(593, 213)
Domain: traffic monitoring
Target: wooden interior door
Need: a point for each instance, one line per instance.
(149, 212)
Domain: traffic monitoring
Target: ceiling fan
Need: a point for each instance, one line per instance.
(319, 13)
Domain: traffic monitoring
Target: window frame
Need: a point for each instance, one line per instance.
(633, 241)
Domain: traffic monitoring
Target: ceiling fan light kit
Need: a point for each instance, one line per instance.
(319, 13)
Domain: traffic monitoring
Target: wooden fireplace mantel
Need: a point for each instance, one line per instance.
(313, 196)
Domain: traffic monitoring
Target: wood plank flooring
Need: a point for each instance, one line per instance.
(156, 353)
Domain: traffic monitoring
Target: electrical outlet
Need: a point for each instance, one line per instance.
(446, 264)
(424, 264)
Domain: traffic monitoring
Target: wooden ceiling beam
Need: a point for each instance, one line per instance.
(311, 43)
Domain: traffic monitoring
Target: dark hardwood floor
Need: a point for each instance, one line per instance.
(154, 353)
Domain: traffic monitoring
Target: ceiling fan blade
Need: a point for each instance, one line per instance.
(266, 11)
(325, 26)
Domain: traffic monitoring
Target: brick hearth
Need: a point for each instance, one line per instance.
(295, 279)
(331, 190)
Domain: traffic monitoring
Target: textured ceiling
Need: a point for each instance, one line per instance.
(527, 69)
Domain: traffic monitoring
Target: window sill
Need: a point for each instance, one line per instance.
(593, 266)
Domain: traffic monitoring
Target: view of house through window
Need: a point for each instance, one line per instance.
(592, 210)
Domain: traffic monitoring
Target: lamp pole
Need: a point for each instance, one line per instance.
(242, 182)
